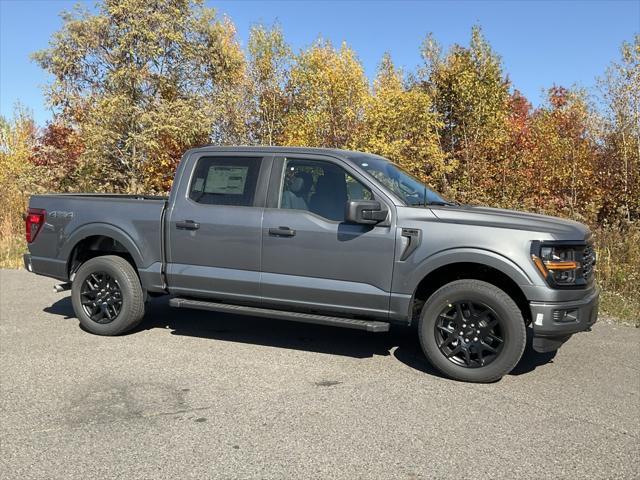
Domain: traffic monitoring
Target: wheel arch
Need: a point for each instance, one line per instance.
(100, 239)
(470, 264)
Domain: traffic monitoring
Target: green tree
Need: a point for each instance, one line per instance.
(142, 81)
(400, 124)
(327, 93)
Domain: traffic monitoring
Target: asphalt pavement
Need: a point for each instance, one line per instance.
(202, 395)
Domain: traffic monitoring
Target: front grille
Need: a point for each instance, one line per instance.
(588, 262)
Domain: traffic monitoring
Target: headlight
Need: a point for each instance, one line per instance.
(559, 264)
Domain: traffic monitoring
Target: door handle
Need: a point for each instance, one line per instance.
(282, 232)
(187, 225)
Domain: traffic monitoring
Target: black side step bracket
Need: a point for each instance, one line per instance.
(368, 325)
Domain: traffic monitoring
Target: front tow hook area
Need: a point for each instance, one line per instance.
(549, 344)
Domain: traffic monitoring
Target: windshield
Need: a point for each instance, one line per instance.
(407, 187)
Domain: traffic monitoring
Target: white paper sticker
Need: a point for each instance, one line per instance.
(226, 180)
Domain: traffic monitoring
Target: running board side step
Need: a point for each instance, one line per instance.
(367, 325)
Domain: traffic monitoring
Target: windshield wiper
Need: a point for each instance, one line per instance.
(439, 203)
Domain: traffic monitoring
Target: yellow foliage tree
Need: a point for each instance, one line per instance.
(268, 73)
(327, 91)
(619, 166)
(17, 178)
(400, 124)
(471, 94)
(565, 157)
(142, 82)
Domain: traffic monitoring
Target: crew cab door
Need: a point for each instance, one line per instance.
(311, 258)
(214, 227)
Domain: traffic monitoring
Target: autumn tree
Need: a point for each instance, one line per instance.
(517, 168)
(619, 165)
(17, 173)
(56, 154)
(400, 124)
(564, 154)
(327, 92)
(137, 83)
(143, 81)
(268, 74)
(471, 94)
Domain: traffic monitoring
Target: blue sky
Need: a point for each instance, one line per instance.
(541, 43)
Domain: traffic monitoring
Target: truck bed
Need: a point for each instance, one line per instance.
(133, 220)
(107, 195)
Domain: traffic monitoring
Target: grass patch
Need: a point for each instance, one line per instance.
(619, 308)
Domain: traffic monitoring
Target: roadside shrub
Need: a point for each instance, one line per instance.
(618, 271)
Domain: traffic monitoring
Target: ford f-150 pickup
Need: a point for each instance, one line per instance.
(322, 236)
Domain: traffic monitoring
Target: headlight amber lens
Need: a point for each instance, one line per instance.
(558, 262)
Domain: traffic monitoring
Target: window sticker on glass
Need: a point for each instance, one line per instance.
(226, 180)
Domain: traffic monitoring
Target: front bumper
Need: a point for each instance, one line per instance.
(554, 323)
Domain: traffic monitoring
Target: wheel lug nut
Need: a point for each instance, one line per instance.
(461, 333)
(475, 339)
(464, 325)
(478, 331)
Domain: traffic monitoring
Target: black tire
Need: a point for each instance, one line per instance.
(500, 310)
(122, 279)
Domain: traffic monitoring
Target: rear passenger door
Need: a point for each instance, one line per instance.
(214, 227)
(311, 258)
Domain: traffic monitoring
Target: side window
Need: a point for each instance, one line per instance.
(320, 187)
(225, 181)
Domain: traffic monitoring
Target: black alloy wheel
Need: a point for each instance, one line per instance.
(101, 297)
(473, 331)
(469, 334)
(107, 295)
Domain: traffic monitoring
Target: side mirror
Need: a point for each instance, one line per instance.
(366, 212)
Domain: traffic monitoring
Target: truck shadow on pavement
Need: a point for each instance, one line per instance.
(401, 342)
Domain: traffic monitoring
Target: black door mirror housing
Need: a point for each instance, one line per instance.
(365, 212)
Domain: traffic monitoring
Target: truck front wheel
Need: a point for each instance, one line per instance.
(472, 331)
(107, 296)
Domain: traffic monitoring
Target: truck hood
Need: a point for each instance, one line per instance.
(559, 228)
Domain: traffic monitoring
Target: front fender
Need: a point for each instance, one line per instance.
(409, 278)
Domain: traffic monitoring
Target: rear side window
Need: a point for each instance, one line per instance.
(225, 181)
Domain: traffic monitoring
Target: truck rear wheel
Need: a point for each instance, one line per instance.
(472, 331)
(107, 296)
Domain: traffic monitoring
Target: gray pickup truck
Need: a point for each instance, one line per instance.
(322, 236)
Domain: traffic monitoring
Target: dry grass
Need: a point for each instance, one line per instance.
(619, 272)
(12, 245)
(618, 267)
